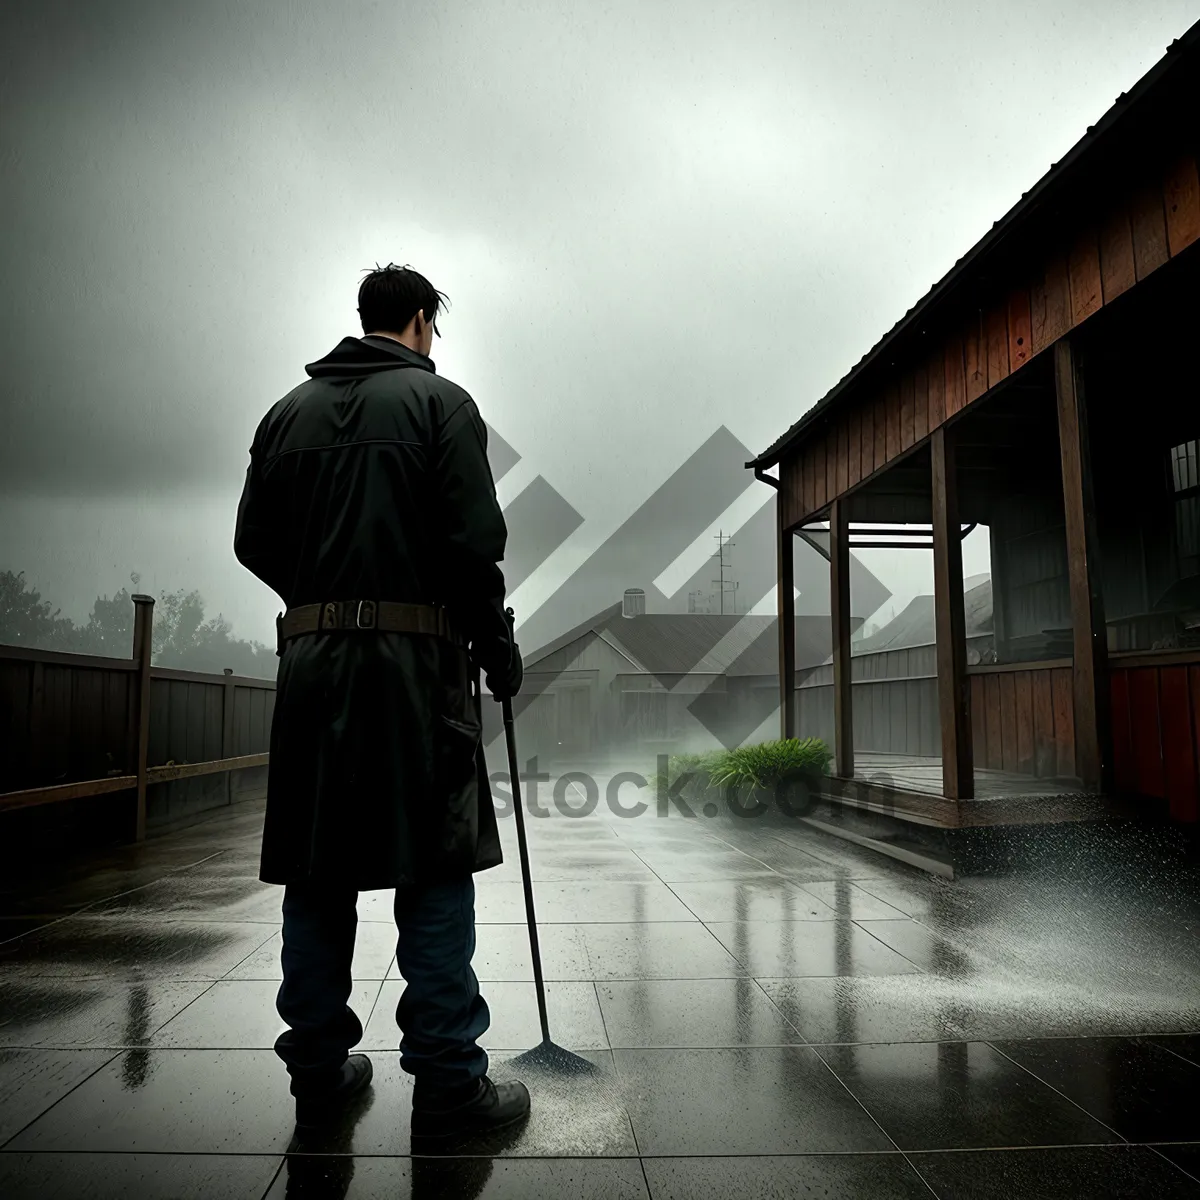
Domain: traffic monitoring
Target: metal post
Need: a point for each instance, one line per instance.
(143, 641)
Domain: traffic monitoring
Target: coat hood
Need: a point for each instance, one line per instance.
(353, 357)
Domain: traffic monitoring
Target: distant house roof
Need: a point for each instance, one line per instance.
(916, 626)
(701, 643)
(1127, 121)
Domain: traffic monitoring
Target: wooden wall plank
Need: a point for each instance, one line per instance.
(921, 402)
(937, 388)
(907, 404)
(1148, 224)
(808, 482)
(1008, 721)
(1063, 687)
(1020, 347)
(978, 720)
(995, 331)
(1181, 193)
(1194, 694)
(843, 456)
(881, 416)
(854, 467)
(995, 754)
(868, 437)
(1124, 768)
(1045, 757)
(1144, 726)
(1037, 314)
(1083, 272)
(1023, 683)
(1117, 273)
(892, 401)
(1179, 752)
(820, 485)
(974, 360)
(831, 448)
(955, 394)
(1058, 297)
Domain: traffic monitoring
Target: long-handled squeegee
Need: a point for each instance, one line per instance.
(547, 1054)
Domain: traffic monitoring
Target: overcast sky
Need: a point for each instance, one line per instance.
(652, 219)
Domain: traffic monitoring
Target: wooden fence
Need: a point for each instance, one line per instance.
(76, 727)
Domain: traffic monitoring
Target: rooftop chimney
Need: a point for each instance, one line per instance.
(633, 603)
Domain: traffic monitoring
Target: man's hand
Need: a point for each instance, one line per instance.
(504, 680)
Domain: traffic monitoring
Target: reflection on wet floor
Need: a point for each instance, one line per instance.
(770, 1012)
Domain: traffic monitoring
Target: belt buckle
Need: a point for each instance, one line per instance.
(364, 616)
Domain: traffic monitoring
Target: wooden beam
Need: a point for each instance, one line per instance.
(28, 797)
(84, 788)
(1093, 718)
(954, 697)
(212, 767)
(839, 607)
(143, 636)
(786, 606)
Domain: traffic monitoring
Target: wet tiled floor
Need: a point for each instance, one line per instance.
(767, 1011)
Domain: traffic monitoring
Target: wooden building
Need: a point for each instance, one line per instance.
(1046, 389)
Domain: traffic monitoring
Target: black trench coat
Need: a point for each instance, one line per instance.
(371, 481)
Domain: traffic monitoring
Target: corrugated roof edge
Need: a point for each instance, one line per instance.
(1120, 107)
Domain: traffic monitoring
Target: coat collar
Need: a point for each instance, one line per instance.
(367, 356)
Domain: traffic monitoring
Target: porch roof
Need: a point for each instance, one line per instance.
(1122, 126)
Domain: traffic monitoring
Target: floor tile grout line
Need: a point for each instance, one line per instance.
(1046, 1083)
(1153, 1147)
(803, 1043)
(279, 1168)
(920, 969)
(1118, 1147)
(155, 1032)
(112, 1058)
(870, 1115)
(912, 1166)
(1147, 1036)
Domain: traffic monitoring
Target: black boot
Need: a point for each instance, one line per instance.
(487, 1107)
(318, 1108)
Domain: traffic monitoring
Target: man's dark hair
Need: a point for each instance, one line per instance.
(388, 298)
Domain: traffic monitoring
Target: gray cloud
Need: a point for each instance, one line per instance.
(653, 220)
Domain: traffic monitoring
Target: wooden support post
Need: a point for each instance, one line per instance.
(1093, 718)
(839, 608)
(143, 638)
(786, 592)
(954, 697)
(227, 702)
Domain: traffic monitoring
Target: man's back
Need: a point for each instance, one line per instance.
(371, 480)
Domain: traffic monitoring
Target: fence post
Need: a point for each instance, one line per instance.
(143, 641)
(227, 730)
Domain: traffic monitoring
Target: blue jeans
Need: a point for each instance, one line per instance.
(441, 1013)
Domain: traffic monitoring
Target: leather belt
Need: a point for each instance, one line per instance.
(385, 616)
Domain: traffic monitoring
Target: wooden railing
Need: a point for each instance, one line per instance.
(1023, 718)
(78, 726)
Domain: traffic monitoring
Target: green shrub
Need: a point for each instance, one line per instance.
(761, 765)
(768, 763)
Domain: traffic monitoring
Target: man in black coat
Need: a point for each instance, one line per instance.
(370, 508)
